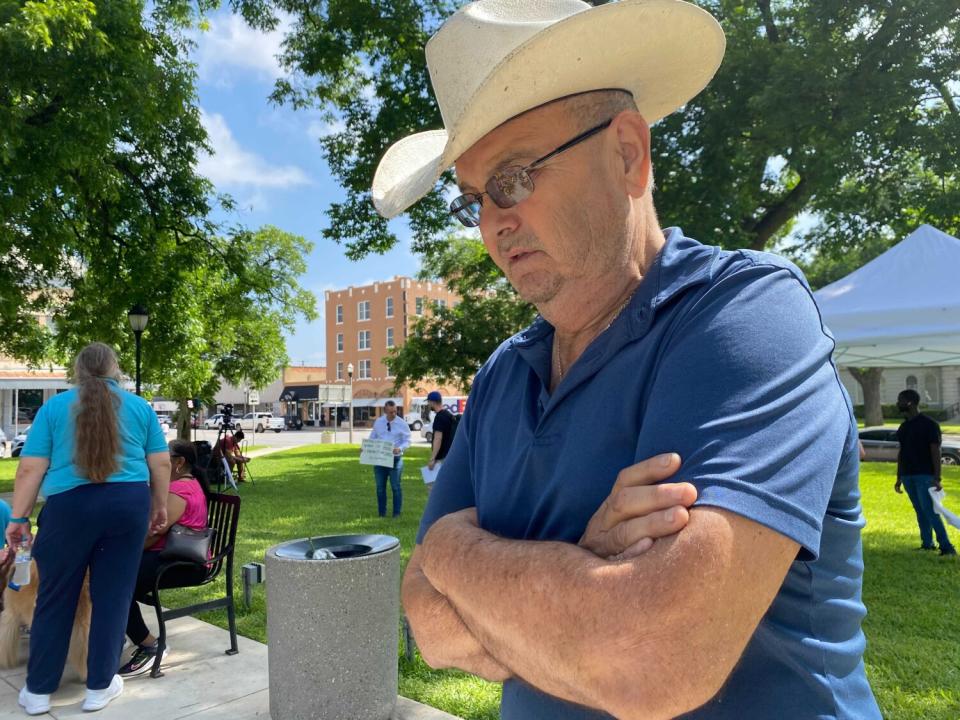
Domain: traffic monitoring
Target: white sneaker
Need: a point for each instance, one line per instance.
(34, 703)
(99, 699)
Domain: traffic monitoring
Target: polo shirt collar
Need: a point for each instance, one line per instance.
(681, 264)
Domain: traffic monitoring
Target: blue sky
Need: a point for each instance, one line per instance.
(269, 159)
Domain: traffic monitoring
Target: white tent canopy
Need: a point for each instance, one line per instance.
(901, 308)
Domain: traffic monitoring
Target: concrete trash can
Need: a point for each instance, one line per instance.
(332, 609)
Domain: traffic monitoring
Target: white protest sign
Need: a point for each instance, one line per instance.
(376, 452)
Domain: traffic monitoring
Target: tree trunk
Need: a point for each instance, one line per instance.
(183, 420)
(869, 379)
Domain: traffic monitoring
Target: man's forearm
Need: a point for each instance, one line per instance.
(441, 635)
(638, 638)
(540, 636)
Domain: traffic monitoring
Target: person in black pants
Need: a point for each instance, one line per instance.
(186, 505)
(918, 469)
(92, 450)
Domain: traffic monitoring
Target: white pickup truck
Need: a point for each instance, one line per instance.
(259, 422)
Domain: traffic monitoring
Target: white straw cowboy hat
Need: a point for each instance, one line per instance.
(495, 59)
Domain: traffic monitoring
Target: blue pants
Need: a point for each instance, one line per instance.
(381, 474)
(917, 487)
(101, 527)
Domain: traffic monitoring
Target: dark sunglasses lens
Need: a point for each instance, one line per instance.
(510, 186)
(466, 208)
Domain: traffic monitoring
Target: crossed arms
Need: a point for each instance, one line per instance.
(617, 622)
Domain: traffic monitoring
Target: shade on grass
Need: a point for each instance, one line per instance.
(912, 597)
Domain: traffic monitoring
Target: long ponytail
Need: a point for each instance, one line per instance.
(96, 418)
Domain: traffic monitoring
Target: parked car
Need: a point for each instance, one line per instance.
(18, 442)
(213, 422)
(260, 422)
(881, 445)
(3, 444)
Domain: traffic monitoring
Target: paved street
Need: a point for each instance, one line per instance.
(295, 438)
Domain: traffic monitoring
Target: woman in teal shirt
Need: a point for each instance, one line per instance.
(100, 458)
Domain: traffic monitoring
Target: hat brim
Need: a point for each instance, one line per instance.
(664, 52)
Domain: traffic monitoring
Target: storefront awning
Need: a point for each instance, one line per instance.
(383, 401)
(292, 393)
(29, 383)
(359, 402)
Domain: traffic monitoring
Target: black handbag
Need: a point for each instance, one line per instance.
(185, 543)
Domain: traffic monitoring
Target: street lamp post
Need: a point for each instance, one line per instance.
(350, 375)
(138, 317)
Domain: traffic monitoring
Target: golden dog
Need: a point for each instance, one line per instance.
(17, 612)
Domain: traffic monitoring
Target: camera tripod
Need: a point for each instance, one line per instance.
(224, 471)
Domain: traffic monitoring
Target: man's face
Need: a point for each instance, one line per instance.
(561, 240)
(903, 404)
(391, 412)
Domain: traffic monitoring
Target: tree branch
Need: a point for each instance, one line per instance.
(948, 98)
(764, 227)
(772, 33)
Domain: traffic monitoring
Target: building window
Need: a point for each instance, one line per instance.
(363, 310)
(389, 307)
(390, 374)
(364, 369)
(389, 337)
(339, 342)
(911, 382)
(339, 314)
(363, 339)
(339, 371)
(442, 303)
(419, 303)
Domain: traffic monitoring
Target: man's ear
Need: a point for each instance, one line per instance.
(633, 138)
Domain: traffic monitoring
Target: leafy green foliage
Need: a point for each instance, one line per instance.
(101, 206)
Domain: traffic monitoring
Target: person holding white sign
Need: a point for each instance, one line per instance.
(390, 426)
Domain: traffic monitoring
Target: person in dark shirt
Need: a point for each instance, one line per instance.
(918, 469)
(442, 431)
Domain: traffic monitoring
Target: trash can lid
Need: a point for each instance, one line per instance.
(336, 547)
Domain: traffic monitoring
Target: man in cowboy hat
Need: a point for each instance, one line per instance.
(536, 563)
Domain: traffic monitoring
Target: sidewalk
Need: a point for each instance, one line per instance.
(200, 682)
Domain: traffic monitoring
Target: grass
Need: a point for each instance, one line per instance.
(913, 598)
(944, 427)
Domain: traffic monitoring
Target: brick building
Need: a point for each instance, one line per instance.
(363, 324)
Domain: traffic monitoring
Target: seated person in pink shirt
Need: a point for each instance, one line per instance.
(187, 505)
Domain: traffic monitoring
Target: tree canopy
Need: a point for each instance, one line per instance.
(101, 206)
(840, 112)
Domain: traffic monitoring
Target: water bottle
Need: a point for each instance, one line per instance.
(21, 566)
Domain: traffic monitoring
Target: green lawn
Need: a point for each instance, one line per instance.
(913, 598)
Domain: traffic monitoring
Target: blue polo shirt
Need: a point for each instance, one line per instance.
(721, 357)
(53, 431)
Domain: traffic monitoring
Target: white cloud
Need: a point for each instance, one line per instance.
(232, 166)
(322, 128)
(231, 43)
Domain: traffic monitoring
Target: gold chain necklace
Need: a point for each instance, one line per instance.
(558, 365)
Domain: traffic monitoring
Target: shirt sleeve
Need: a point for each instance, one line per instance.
(747, 395)
(5, 515)
(39, 442)
(156, 440)
(375, 432)
(404, 435)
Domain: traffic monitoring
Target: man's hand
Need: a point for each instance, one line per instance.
(637, 512)
(898, 486)
(158, 520)
(431, 464)
(937, 484)
(397, 451)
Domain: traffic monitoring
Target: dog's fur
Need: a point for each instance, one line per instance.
(18, 612)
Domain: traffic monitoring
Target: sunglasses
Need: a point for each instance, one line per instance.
(512, 184)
